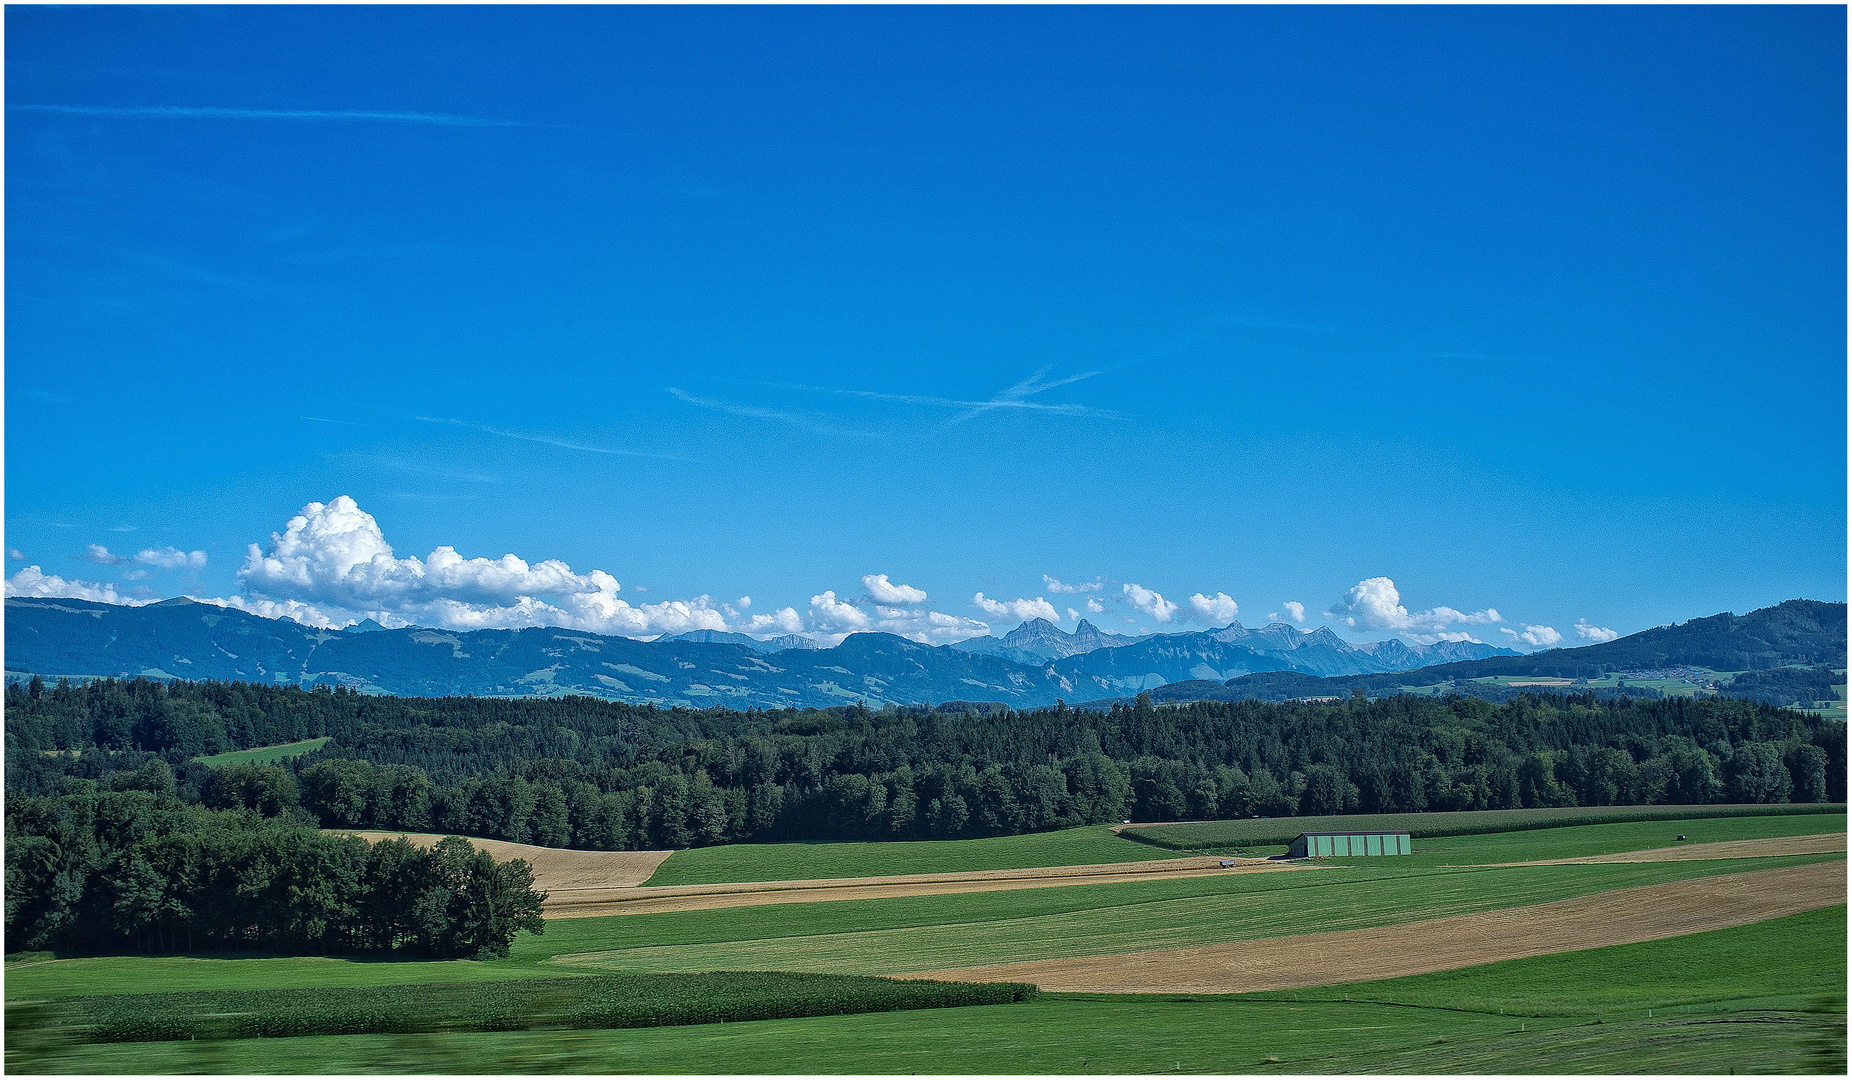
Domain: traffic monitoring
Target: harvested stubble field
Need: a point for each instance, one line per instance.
(555, 868)
(1621, 917)
(588, 903)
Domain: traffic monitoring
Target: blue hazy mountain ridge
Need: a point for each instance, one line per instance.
(184, 639)
(1793, 634)
(1039, 639)
(1234, 651)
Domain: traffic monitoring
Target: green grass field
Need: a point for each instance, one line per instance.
(1761, 998)
(263, 755)
(1723, 982)
(901, 934)
(1271, 835)
(795, 862)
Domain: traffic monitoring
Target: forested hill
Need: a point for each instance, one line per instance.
(595, 774)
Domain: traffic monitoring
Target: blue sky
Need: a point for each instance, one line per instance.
(1536, 313)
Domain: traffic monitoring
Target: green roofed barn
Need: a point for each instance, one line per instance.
(1318, 845)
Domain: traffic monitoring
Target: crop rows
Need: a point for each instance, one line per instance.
(1253, 832)
(614, 1001)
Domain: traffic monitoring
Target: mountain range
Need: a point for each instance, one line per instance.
(1034, 665)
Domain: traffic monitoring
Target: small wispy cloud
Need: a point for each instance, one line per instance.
(819, 424)
(958, 403)
(101, 555)
(543, 439)
(1016, 397)
(325, 420)
(215, 112)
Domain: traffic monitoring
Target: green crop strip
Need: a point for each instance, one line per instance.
(631, 1001)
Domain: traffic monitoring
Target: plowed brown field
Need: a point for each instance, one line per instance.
(558, 868)
(1817, 844)
(578, 903)
(1618, 917)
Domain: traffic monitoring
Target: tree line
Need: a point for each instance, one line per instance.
(593, 774)
(126, 865)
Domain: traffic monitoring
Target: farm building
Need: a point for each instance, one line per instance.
(1322, 844)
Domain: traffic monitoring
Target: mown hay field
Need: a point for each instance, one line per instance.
(1130, 918)
(1616, 917)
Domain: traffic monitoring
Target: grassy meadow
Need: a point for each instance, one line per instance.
(263, 755)
(1761, 998)
(1781, 968)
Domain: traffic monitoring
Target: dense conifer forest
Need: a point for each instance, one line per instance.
(585, 773)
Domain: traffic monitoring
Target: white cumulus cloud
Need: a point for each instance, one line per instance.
(930, 627)
(1094, 605)
(1214, 610)
(783, 621)
(1597, 634)
(100, 555)
(171, 558)
(832, 619)
(1291, 610)
(1537, 637)
(1375, 604)
(15, 554)
(1072, 615)
(832, 616)
(29, 581)
(1062, 589)
(1020, 610)
(1447, 635)
(167, 558)
(1151, 603)
(886, 592)
(333, 560)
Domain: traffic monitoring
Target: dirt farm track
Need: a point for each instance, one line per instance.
(1619, 917)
